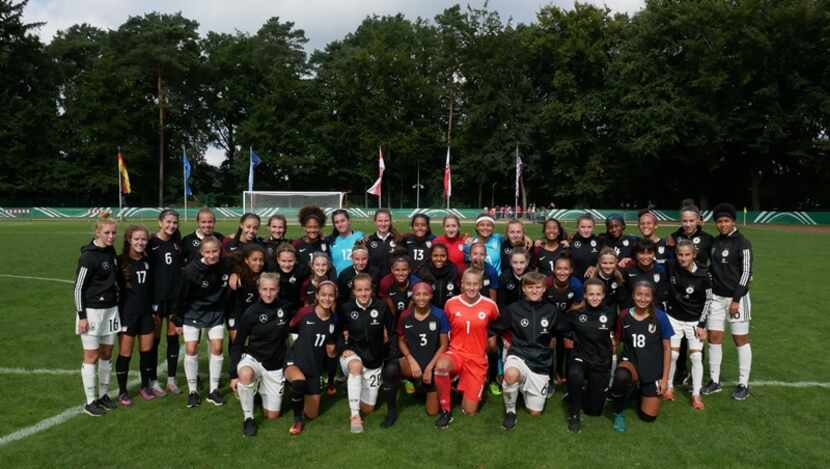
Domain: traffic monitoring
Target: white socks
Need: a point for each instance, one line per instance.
(697, 371)
(673, 367)
(191, 371)
(88, 379)
(246, 399)
(510, 393)
(104, 372)
(354, 385)
(744, 364)
(215, 366)
(715, 358)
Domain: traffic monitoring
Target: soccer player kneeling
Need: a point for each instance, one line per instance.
(258, 352)
(527, 327)
(645, 333)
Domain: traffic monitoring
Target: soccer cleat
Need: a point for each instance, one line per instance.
(296, 428)
(146, 394)
(248, 428)
(741, 393)
(390, 420)
(574, 424)
(94, 410)
(697, 403)
(495, 389)
(124, 399)
(444, 420)
(107, 403)
(408, 387)
(710, 388)
(157, 390)
(331, 390)
(172, 388)
(509, 422)
(356, 424)
(215, 398)
(668, 394)
(193, 400)
(619, 422)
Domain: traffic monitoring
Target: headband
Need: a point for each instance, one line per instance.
(425, 285)
(485, 218)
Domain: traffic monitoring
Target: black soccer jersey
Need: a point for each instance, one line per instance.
(290, 285)
(243, 297)
(262, 333)
(366, 327)
(380, 252)
(445, 282)
(584, 253)
(419, 250)
(398, 294)
(305, 249)
(689, 293)
(564, 298)
(623, 245)
(616, 291)
(661, 251)
(590, 328)
(270, 245)
(136, 290)
(643, 343)
(203, 294)
(313, 333)
(345, 282)
(702, 241)
(166, 259)
(192, 243)
(236, 246)
(657, 276)
(423, 336)
(96, 285)
(529, 326)
(505, 251)
(731, 267)
(510, 290)
(545, 261)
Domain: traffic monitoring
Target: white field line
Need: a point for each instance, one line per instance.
(47, 279)
(67, 414)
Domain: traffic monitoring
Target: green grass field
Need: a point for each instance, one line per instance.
(783, 424)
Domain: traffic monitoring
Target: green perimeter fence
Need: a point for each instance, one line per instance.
(48, 213)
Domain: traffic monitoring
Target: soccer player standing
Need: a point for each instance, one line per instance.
(469, 315)
(382, 242)
(691, 228)
(342, 240)
(418, 243)
(731, 271)
(584, 246)
(312, 219)
(97, 321)
(454, 240)
(551, 247)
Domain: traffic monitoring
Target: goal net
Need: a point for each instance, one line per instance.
(256, 200)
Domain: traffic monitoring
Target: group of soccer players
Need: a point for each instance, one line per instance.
(605, 315)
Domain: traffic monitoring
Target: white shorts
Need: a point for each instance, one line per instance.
(371, 380)
(534, 386)
(192, 334)
(719, 315)
(271, 382)
(685, 329)
(104, 324)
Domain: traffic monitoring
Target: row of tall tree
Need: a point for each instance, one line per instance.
(725, 100)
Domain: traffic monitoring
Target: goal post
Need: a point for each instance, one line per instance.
(253, 200)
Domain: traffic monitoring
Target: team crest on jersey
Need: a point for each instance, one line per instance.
(457, 313)
(725, 253)
(603, 318)
(661, 249)
(690, 289)
(106, 266)
(652, 328)
(656, 278)
(429, 244)
(461, 247)
(263, 318)
(614, 285)
(433, 326)
(196, 243)
(331, 328)
(292, 280)
(696, 240)
(511, 286)
(583, 318)
(205, 284)
(392, 244)
(482, 315)
(570, 295)
(545, 322)
(593, 243)
(450, 287)
(280, 313)
(577, 244)
(524, 322)
(354, 315)
(373, 244)
(323, 247)
(625, 242)
(409, 293)
(374, 313)
(486, 282)
(232, 322)
(617, 250)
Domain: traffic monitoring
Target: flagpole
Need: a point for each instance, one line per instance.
(251, 176)
(516, 195)
(184, 186)
(118, 172)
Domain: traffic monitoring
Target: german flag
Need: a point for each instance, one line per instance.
(123, 174)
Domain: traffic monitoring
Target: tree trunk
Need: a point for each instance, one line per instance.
(161, 140)
(757, 176)
(480, 194)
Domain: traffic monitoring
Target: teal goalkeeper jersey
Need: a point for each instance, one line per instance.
(341, 250)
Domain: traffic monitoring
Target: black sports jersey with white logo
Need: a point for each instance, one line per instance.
(661, 250)
(262, 333)
(203, 294)
(305, 249)
(136, 289)
(643, 343)
(308, 351)
(702, 241)
(623, 245)
(590, 328)
(545, 260)
(505, 251)
(510, 289)
(689, 292)
(584, 253)
(270, 246)
(191, 245)
(380, 252)
(243, 297)
(96, 285)
(166, 259)
(657, 276)
(444, 281)
(616, 291)
(366, 327)
(236, 245)
(731, 267)
(419, 249)
(529, 326)
(290, 285)
(564, 297)
(423, 336)
(345, 281)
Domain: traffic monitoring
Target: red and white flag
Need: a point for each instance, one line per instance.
(447, 177)
(375, 189)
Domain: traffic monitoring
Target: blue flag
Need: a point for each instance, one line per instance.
(187, 168)
(255, 161)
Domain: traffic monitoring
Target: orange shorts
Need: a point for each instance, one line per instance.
(471, 372)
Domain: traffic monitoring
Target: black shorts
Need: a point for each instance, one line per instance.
(165, 308)
(648, 389)
(138, 325)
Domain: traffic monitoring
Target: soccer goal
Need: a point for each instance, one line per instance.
(255, 200)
